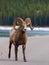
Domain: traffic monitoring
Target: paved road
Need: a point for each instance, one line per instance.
(37, 52)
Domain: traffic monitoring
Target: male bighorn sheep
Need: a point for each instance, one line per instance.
(19, 36)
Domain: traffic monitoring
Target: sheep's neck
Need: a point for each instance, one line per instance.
(19, 32)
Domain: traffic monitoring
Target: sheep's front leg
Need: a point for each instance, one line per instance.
(16, 50)
(9, 50)
(23, 48)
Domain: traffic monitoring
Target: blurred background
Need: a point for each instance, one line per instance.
(37, 10)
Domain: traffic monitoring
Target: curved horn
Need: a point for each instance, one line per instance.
(28, 22)
(17, 21)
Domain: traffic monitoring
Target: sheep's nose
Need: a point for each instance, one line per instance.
(24, 30)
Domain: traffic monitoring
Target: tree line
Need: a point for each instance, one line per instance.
(37, 10)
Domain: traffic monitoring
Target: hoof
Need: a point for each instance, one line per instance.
(25, 60)
(9, 56)
(16, 60)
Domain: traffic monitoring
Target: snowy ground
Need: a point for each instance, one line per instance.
(35, 28)
(37, 52)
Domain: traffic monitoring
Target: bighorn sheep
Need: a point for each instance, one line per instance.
(19, 36)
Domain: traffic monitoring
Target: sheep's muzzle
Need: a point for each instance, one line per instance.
(24, 30)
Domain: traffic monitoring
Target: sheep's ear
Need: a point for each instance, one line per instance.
(17, 23)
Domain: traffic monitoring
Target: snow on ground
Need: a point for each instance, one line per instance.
(37, 52)
(35, 28)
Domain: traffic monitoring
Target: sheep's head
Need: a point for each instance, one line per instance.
(23, 24)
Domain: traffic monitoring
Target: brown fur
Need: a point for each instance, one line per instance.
(19, 37)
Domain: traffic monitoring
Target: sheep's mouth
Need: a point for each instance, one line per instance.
(24, 30)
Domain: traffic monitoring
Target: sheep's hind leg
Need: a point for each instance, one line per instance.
(16, 50)
(23, 48)
(9, 50)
